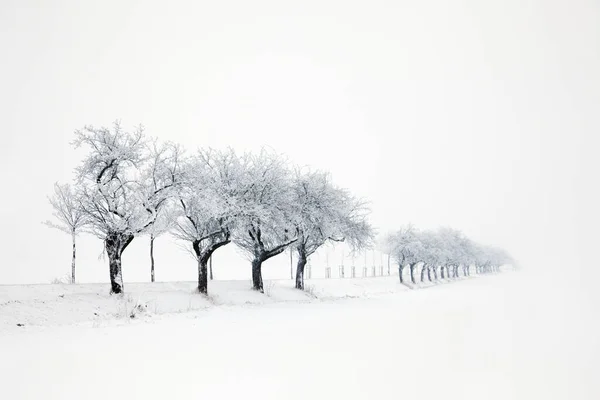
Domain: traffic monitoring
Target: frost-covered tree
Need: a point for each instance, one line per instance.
(325, 213)
(210, 202)
(404, 246)
(265, 224)
(490, 259)
(123, 184)
(432, 254)
(443, 250)
(453, 249)
(68, 216)
(500, 257)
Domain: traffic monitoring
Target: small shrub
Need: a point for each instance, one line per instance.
(128, 307)
(137, 309)
(310, 290)
(62, 280)
(268, 287)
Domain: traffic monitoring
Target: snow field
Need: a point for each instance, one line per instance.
(492, 337)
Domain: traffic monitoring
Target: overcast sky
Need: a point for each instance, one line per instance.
(480, 115)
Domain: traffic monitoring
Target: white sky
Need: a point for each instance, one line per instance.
(481, 115)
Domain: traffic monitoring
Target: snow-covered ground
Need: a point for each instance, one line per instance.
(495, 337)
(35, 306)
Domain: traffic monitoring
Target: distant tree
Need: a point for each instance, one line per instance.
(210, 201)
(325, 213)
(404, 247)
(68, 216)
(160, 153)
(468, 250)
(491, 259)
(432, 253)
(265, 225)
(500, 257)
(163, 224)
(123, 184)
(453, 249)
(443, 250)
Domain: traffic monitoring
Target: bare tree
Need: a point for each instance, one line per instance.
(123, 185)
(209, 203)
(160, 153)
(325, 213)
(68, 216)
(163, 224)
(265, 223)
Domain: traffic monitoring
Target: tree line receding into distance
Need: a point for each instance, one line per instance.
(129, 185)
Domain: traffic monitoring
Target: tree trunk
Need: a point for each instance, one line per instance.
(151, 258)
(435, 274)
(257, 281)
(400, 271)
(115, 244)
(412, 273)
(456, 271)
(204, 257)
(261, 255)
(429, 273)
(73, 262)
(202, 275)
(423, 270)
(210, 267)
(300, 270)
(442, 272)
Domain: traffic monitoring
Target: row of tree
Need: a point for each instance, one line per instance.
(129, 185)
(441, 254)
